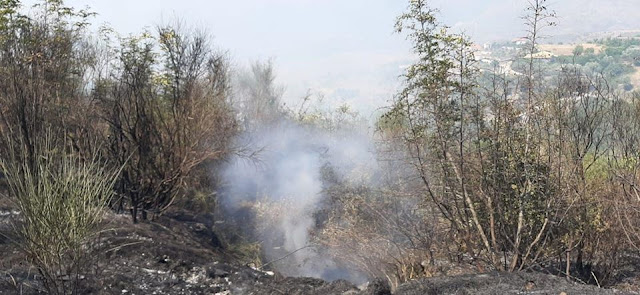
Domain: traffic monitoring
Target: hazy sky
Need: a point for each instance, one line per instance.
(344, 49)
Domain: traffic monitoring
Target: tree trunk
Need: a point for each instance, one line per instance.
(134, 213)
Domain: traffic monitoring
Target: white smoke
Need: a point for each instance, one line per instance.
(286, 181)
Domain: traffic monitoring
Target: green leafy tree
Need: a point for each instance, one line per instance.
(432, 111)
(441, 119)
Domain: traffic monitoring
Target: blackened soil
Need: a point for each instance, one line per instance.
(501, 283)
(180, 254)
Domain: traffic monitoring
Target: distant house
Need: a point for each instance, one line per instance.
(519, 41)
(476, 47)
(541, 55)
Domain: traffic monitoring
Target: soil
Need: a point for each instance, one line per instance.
(502, 283)
(180, 254)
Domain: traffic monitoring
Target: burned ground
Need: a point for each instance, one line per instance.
(180, 254)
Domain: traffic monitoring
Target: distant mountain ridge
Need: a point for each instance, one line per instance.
(588, 16)
(502, 19)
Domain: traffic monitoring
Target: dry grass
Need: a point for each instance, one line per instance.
(567, 49)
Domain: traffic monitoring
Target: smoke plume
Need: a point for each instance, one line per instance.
(285, 184)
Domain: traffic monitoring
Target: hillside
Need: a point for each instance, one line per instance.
(154, 163)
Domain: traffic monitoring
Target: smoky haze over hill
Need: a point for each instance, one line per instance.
(499, 19)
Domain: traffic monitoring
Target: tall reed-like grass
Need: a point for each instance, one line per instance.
(62, 199)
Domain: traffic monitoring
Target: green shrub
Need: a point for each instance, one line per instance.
(61, 198)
